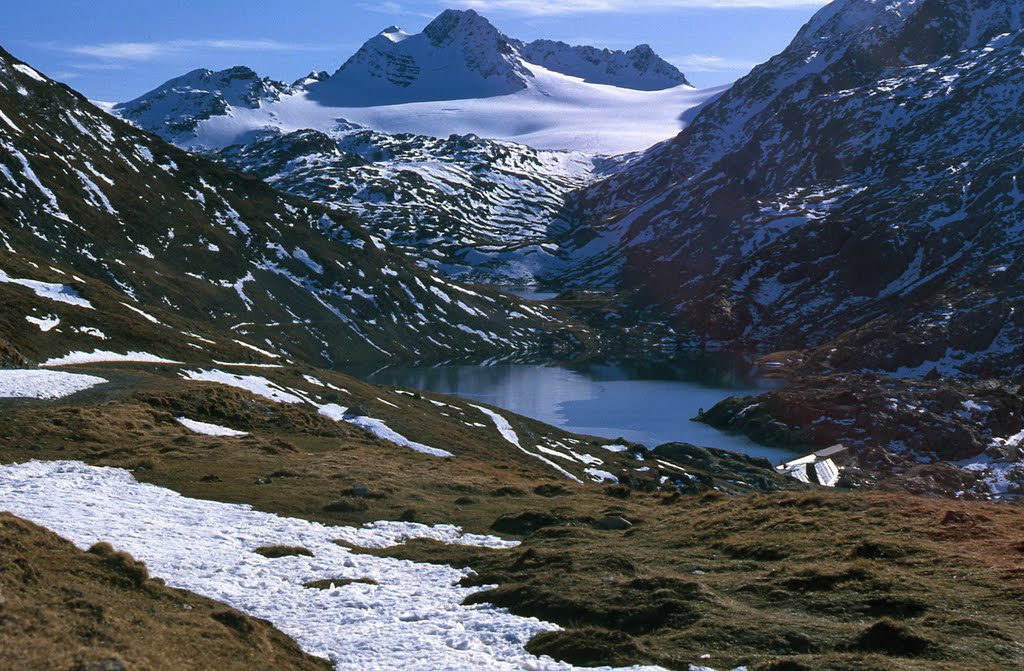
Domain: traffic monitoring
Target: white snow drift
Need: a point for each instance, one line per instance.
(207, 429)
(44, 384)
(412, 619)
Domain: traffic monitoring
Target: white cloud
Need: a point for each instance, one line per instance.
(549, 8)
(710, 63)
(146, 51)
(392, 8)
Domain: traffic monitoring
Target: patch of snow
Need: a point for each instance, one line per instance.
(61, 293)
(92, 331)
(47, 323)
(206, 429)
(248, 365)
(43, 384)
(255, 384)
(509, 434)
(145, 315)
(103, 356)
(382, 431)
(334, 411)
(26, 70)
(412, 619)
(269, 355)
(6, 120)
(600, 476)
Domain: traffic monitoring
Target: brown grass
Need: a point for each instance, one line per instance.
(62, 608)
(797, 580)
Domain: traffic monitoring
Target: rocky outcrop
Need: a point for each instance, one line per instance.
(639, 68)
(911, 431)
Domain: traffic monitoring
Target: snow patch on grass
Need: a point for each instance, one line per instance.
(47, 323)
(509, 434)
(255, 384)
(61, 293)
(103, 356)
(43, 384)
(384, 432)
(206, 429)
(411, 619)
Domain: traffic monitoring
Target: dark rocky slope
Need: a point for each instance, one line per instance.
(88, 196)
(860, 189)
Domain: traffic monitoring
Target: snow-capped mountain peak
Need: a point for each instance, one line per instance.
(458, 55)
(640, 68)
(394, 33)
(455, 25)
(459, 75)
(179, 105)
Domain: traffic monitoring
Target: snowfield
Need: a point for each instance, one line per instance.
(44, 384)
(411, 619)
(555, 111)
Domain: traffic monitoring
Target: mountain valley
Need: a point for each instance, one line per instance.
(194, 285)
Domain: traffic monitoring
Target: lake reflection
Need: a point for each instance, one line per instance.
(650, 405)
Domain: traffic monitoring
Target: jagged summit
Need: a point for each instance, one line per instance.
(180, 104)
(461, 24)
(639, 68)
(460, 54)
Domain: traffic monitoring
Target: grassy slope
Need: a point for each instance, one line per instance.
(62, 608)
(822, 580)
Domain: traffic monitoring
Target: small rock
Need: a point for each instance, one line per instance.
(612, 523)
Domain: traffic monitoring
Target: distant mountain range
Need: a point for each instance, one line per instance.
(470, 205)
(460, 75)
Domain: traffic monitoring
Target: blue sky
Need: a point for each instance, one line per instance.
(118, 49)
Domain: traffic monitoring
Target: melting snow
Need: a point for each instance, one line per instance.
(254, 348)
(55, 292)
(412, 619)
(208, 429)
(43, 383)
(47, 323)
(509, 434)
(145, 315)
(26, 70)
(103, 356)
(260, 386)
(379, 429)
(601, 476)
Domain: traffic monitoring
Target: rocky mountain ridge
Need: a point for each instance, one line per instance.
(470, 208)
(142, 223)
(857, 193)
